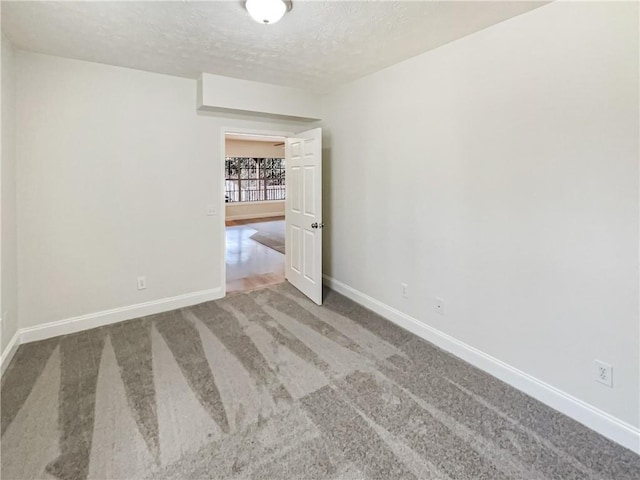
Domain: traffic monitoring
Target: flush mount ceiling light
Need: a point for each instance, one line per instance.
(267, 11)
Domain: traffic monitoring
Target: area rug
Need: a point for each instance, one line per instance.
(272, 240)
(268, 385)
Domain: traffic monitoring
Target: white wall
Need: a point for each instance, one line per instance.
(500, 173)
(8, 240)
(245, 210)
(115, 172)
(249, 148)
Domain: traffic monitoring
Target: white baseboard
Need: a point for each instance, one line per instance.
(607, 425)
(254, 215)
(9, 352)
(106, 317)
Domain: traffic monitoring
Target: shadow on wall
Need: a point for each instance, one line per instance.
(327, 207)
(255, 118)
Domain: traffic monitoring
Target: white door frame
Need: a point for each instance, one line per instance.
(222, 205)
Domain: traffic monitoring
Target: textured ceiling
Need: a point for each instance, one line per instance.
(316, 46)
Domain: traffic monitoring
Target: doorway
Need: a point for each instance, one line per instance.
(254, 195)
(259, 184)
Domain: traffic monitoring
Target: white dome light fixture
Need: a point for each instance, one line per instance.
(267, 11)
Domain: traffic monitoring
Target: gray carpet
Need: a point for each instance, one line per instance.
(267, 385)
(270, 239)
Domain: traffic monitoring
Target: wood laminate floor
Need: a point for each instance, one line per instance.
(252, 265)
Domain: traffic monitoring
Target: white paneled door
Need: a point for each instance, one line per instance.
(303, 243)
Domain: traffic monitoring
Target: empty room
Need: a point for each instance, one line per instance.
(314, 239)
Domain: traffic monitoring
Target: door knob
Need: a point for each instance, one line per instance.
(315, 225)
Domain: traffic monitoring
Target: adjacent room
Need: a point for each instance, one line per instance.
(320, 240)
(254, 211)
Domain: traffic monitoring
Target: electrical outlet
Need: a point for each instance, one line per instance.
(439, 306)
(603, 373)
(404, 290)
(211, 210)
(142, 283)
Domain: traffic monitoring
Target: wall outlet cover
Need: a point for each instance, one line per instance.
(603, 373)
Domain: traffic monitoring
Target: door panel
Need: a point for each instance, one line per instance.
(295, 259)
(296, 182)
(309, 190)
(309, 252)
(303, 250)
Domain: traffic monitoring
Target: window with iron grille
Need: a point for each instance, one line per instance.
(254, 179)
